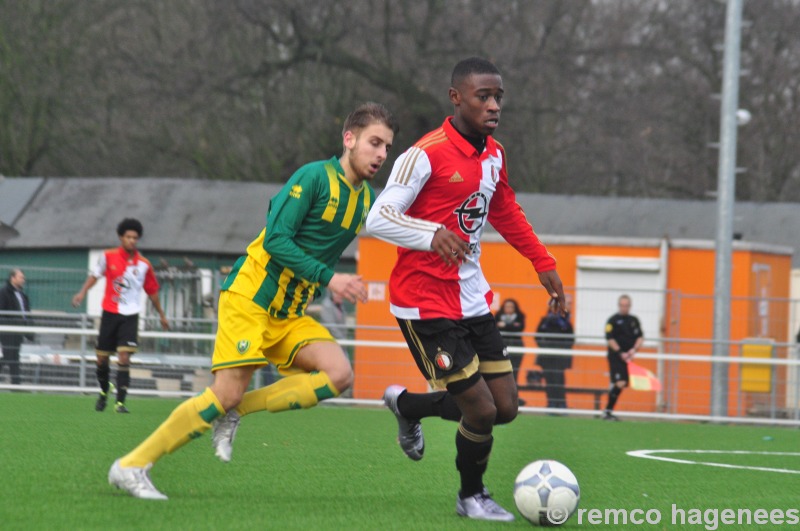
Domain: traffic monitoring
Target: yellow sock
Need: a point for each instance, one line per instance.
(299, 391)
(188, 421)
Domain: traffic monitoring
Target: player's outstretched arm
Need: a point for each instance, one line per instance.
(157, 305)
(77, 299)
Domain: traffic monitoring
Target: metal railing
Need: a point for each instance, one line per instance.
(177, 362)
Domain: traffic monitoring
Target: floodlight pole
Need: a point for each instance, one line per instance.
(726, 197)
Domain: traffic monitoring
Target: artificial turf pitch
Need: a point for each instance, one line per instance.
(339, 467)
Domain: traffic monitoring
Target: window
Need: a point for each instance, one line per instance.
(599, 283)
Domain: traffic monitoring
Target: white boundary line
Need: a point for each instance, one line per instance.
(648, 454)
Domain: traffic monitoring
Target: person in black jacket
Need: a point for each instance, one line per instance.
(13, 299)
(511, 322)
(555, 331)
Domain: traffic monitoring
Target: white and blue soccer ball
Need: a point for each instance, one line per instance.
(546, 492)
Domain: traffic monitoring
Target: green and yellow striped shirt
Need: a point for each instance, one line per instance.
(310, 222)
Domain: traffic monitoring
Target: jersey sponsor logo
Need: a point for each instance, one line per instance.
(296, 191)
(242, 346)
(456, 178)
(443, 360)
(472, 212)
(121, 287)
(121, 284)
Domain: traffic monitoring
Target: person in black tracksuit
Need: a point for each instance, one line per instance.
(624, 337)
(13, 299)
(555, 331)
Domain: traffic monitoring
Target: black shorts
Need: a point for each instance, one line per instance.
(455, 354)
(118, 333)
(617, 368)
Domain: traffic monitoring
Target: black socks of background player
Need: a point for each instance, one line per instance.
(472, 458)
(613, 395)
(123, 381)
(102, 375)
(422, 405)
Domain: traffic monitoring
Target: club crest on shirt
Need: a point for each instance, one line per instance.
(296, 191)
(472, 212)
(242, 346)
(443, 360)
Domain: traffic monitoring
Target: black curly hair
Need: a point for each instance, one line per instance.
(130, 224)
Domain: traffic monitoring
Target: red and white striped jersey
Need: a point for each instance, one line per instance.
(442, 180)
(126, 277)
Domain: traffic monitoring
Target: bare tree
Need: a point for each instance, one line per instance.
(606, 97)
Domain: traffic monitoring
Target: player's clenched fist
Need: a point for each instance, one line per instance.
(350, 287)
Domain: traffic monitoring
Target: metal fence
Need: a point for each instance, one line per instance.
(762, 366)
(61, 358)
(186, 292)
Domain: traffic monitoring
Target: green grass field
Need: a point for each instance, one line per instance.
(337, 467)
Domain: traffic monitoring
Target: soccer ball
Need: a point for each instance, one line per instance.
(546, 492)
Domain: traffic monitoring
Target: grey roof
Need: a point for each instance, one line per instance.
(573, 219)
(14, 197)
(182, 215)
(775, 223)
(187, 215)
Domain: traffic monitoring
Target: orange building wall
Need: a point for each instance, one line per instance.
(690, 279)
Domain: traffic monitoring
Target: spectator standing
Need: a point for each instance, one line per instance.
(555, 331)
(13, 299)
(511, 323)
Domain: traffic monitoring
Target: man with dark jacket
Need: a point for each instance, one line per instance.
(555, 331)
(13, 299)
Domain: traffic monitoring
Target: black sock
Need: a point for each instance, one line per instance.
(102, 375)
(421, 405)
(472, 458)
(613, 394)
(123, 381)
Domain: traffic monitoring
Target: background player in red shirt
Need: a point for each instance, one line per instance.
(127, 273)
(435, 206)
